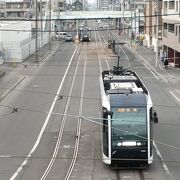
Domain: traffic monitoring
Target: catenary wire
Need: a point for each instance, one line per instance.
(98, 123)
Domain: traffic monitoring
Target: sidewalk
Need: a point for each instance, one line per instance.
(9, 81)
(148, 57)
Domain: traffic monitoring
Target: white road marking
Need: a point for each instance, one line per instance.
(151, 71)
(45, 123)
(178, 99)
(161, 158)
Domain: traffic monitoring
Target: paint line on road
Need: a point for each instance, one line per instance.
(45, 123)
(5, 156)
(151, 71)
(161, 158)
(178, 99)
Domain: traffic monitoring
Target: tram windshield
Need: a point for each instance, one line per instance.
(129, 123)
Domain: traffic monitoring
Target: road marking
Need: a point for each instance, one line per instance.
(45, 123)
(174, 95)
(151, 71)
(161, 158)
(5, 156)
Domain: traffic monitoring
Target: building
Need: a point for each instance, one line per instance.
(19, 8)
(171, 31)
(17, 40)
(103, 5)
(59, 5)
(153, 23)
(77, 6)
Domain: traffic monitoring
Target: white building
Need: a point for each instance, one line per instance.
(17, 42)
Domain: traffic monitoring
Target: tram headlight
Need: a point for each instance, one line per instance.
(138, 144)
(119, 144)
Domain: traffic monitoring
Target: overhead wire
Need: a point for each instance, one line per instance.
(92, 120)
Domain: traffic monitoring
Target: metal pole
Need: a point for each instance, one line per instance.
(123, 19)
(41, 24)
(135, 24)
(131, 28)
(36, 27)
(49, 24)
(157, 31)
(139, 21)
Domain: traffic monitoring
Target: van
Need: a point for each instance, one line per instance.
(62, 35)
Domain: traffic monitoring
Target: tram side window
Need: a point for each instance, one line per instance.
(105, 133)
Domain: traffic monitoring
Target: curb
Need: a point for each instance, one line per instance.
(2, 73)
(11, 88)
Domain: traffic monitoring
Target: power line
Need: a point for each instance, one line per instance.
(98, 123)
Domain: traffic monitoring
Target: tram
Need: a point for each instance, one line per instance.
(127, 120)
(85, 34)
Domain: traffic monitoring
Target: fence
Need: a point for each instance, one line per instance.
(19, 51)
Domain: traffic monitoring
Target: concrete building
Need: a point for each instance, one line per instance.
(19, 8)
(153, 23)
(59, 5)
(17, 41)
(171, 31)
(103, 5)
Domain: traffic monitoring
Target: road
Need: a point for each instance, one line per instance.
(55, 133)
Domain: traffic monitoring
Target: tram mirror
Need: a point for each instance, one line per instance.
(106, 112)
(155, 118)
(109, 113)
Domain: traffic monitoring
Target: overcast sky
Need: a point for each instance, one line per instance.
(91, 1)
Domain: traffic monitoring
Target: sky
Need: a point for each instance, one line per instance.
(91, 1)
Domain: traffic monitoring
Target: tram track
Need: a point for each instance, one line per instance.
(120, 174)
(62, 128)
(130, 175)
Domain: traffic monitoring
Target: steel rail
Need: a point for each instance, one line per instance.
(78, 133)
(53, 158)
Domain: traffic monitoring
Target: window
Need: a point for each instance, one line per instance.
(171, 4)
(171, 28)
(176, 30)
(176, 6)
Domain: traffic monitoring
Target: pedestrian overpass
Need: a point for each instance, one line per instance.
(75, 15)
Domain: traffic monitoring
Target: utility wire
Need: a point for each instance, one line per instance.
(98, 123)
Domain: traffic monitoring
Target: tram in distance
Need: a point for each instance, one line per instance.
(85, 34)
(127, 120)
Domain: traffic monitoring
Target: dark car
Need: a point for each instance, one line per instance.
(68, 38)
(85, 38)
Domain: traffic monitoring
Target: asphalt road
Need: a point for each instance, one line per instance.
(64, 87)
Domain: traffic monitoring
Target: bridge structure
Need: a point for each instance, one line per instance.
(72, 15)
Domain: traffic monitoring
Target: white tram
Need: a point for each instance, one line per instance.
(127, 118)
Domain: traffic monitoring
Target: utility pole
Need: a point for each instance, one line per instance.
(123, 20)
(157, 30)
(49, 24)
(131, 28)
(41, 24)
(135, 24)
(139, 21)
(36, 27)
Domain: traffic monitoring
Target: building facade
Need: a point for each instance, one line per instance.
(171, 31)
(19, 8)
(153, 24)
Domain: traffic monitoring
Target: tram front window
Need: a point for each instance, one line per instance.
(129, 124)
